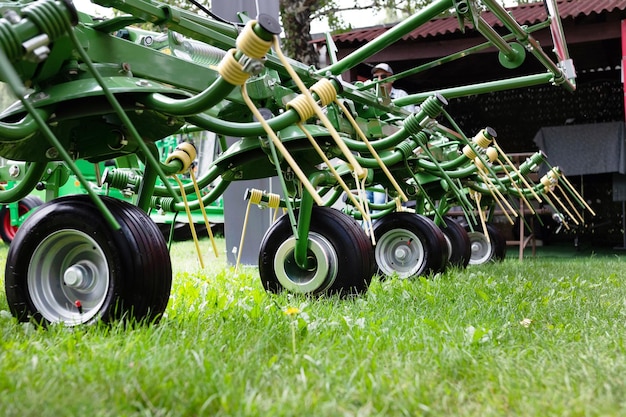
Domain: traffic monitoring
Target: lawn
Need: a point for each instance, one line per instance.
(542, 337)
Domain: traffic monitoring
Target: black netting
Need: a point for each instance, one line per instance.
(517, 115)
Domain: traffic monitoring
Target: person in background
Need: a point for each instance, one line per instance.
(383, 71)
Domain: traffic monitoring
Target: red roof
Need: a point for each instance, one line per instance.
(526, 14)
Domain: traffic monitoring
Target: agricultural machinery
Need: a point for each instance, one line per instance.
(98, 90)
(61, 181)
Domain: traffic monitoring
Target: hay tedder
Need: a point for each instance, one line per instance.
(106, 90)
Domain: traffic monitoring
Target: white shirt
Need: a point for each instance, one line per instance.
(398, 93)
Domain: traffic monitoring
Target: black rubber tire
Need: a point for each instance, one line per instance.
(182, 231)
(483, 251)
(459, 245)
(335, 237)
(394, 231)
(7, 230)
(128, 272)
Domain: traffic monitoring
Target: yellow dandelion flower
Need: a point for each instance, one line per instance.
(292, 311)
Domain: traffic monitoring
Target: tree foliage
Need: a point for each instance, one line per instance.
(297, 15)
(392, 10)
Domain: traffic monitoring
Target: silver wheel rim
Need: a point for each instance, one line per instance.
(318, 278)
(68, 277)
(482, 249)
(400, 251)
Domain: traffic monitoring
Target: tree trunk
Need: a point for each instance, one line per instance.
(296, 21)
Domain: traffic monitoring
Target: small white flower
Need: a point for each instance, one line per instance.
(526, 322)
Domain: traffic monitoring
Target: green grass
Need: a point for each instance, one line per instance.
(542, 337)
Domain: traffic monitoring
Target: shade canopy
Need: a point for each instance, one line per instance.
(584, 149)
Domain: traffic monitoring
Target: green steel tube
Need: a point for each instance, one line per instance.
(249, 129)
(10, 132)
(459, 167)
(212, 174)
(300, 251)
(168, 204)
(148, 180)
(208, 98)
(432, 107)
(26, 185)
(380, 211)
(289, 118)
(481, 88)
(450, 58)
(216, 33)
(389, 37)
(304, 220)
(389, 160)
(486, 190)
(332, 196)
(379, 144)
(531, 44)
(459, 163)
(218, 190)
(446, 177)
(432, 168)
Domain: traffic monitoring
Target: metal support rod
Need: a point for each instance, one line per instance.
(24, 128)
(488, 32)
(304, 221)
(481, 88)
(146, 186)
(25, 185)
(392, 35)
(450, 58)
(301, 249)
(531, 44)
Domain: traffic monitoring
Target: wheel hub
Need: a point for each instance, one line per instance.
(320, 272)
(482, 249)
(401, 252)
(477, 247)
(79, 276)
(66, 267)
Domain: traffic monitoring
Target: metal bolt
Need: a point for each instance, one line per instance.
(401, 253)
(12, 17)
(79, 276)
(52, 153)
(14, 171)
